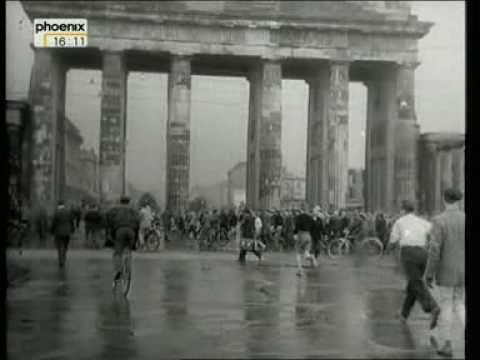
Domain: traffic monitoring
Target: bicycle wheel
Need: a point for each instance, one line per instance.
(338, 248)
(372, 247)
(126, 276)
(152, 241)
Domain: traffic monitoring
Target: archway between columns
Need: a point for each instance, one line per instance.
(218, 139)
(294, 142)
(81, 131)
(357, 130)
(147, 111)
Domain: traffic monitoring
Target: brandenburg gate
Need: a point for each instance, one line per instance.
(326, 44)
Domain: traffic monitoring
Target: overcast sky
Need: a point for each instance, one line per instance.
(220, 105)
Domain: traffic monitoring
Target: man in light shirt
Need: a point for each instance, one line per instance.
(411, 233)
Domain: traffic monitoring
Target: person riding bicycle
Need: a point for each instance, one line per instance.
(123, 222)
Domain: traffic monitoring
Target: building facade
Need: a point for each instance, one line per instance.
(237, 184)
(355, 188)
(292, 191)
(81, 167)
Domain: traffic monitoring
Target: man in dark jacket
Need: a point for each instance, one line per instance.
(124, 223)
(93, 224)
(318, 230)
(446, 266)
(247, 230)
(381, 229)
(62, 228)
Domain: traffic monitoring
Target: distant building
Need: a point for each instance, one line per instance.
(355, 188)
(216, 194)
(91, 176)
(81, 167)
(236, 187)
(292, 188)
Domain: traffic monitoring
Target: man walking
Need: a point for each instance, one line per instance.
(93, 222)
(303, 239)
(446, 266)
(62, 228)
(411, 233)
(317, 230)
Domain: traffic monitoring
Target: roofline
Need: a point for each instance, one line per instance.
(407, 27)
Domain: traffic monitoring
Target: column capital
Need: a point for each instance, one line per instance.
(271, 58)
(181, 56)
(119, 53)
(339, 62)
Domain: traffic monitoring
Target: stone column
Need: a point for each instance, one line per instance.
(113, 127)
(178, 132)
(406, 136)
(309, 169)
(447, 169)
(47, 100)
(368, 190)
(317, 157)
(270, 131)
(458, 170)
(380, 161)
(252, 180)
(264, 161)
(337, 138)
(459, 156)
(437, 186)
(14, 139)
(431, 181)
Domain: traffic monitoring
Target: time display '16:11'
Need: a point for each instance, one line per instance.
(69, 41)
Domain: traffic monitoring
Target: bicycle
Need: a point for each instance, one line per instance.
(342, 246)
(372, 246)
(125, 278)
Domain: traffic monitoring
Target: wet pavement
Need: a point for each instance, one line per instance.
(191, 305)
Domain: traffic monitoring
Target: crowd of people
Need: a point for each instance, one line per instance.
(275, 228)
(206, 227)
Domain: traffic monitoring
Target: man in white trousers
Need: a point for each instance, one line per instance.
(446, 267)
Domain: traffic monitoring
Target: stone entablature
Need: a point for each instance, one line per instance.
(155, 27)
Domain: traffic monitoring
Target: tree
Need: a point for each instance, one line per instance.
(148, 199)
(197, 204)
